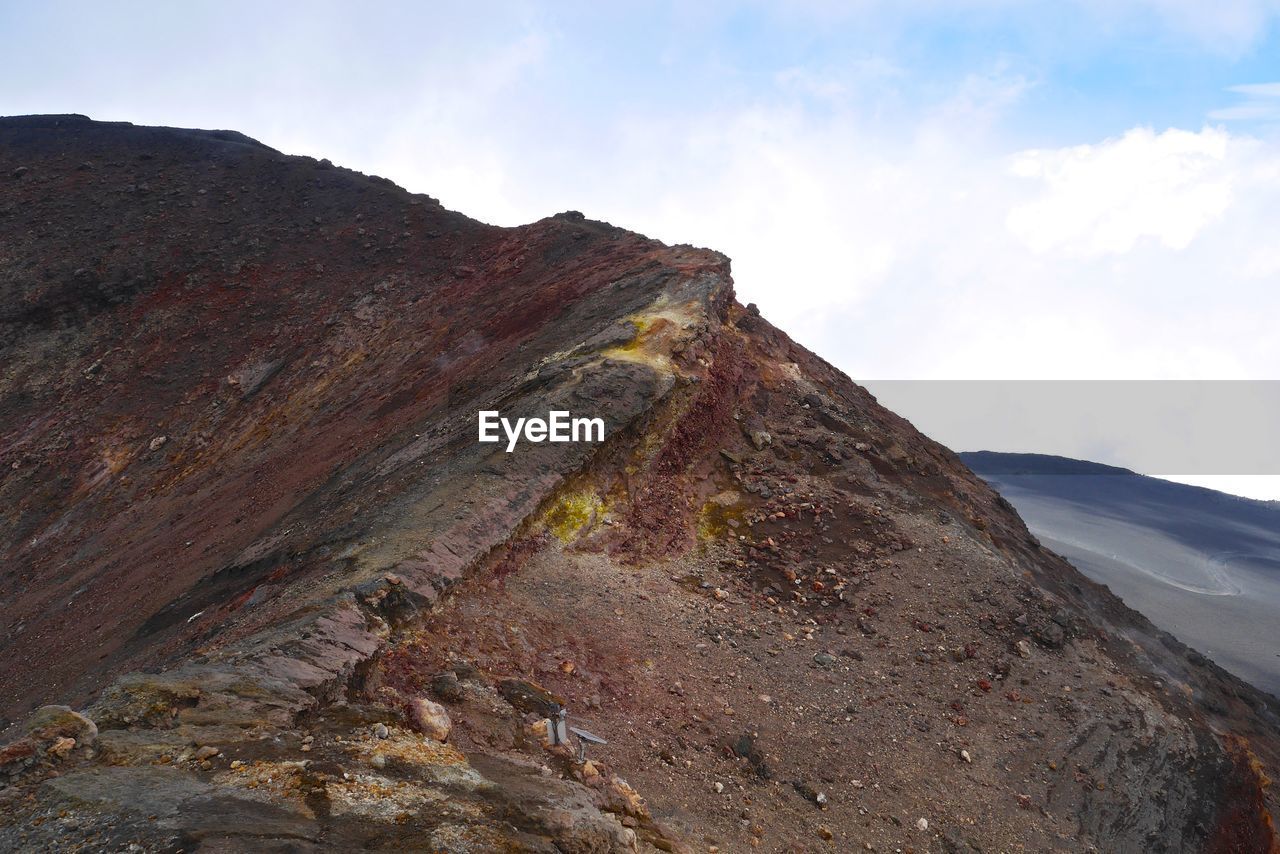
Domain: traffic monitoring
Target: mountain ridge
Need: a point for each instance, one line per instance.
(997, 462)
(1022, 463)
(251, 536)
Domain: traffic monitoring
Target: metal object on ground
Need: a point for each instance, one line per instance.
(556, 728)
(585, 738)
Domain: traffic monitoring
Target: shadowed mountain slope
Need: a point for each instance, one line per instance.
(249, 534)
(1200, 563)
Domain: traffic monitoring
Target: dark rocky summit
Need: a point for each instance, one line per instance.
(262, 589)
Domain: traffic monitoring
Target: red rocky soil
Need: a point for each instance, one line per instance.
(248, 533)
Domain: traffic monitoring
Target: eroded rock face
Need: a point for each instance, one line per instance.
(253, 536)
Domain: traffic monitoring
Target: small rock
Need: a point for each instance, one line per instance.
(465, 669)
(157, 443)
(378, 760)
(1050, 635)
(381, 731)
(823, 659)
(1024, 649)
(964, 754)
(809, 793)
(540, 730)
(825, 833)
(528, 696)
(922, 824)
(447, 687)
(430, 718)
(718, 787)
(62, 746)
(208, 751)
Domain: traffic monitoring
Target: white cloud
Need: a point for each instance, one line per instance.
(921, 248)
(1142, 257)
(1227, 26)
(1104, 198)
(894, 257)
(1263, 90)
(1262, 103)
(926, 255)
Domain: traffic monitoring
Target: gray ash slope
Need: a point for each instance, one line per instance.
(1202, 564)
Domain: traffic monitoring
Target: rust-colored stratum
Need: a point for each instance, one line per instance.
(262, 589)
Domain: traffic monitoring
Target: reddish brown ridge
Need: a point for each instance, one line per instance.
(247, 530)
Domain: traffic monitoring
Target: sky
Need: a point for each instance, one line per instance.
(972, 189)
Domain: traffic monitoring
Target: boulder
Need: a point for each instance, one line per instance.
(430, 718)
(48, 723)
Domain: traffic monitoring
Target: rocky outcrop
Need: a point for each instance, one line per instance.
(251, 534)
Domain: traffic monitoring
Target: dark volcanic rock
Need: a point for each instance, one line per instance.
(247, 527)
(317, 383)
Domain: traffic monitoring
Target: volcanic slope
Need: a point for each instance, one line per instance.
(1204, 565)
(249, 534)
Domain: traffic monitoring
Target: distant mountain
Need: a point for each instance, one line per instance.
(996, 463)
(1201, 564)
